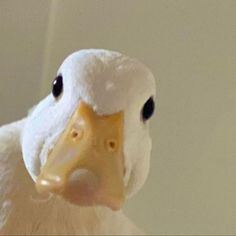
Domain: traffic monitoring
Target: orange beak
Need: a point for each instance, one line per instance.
(86, 166)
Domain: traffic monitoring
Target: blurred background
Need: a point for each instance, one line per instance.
(191, 48)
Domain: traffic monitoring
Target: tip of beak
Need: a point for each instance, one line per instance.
(47, 185)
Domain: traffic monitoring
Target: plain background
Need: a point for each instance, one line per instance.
(191, 48)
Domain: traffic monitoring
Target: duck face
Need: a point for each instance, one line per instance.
(89, 141)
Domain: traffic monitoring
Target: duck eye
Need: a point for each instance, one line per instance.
(57, 86)
(148, 109)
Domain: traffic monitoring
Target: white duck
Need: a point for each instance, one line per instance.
(87, 143)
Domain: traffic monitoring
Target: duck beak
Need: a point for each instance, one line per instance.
(86, 165)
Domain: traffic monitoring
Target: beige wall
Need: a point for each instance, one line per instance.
(191, 48)
(23, 25)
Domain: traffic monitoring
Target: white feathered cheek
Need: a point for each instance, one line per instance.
(41, 130)
(138, 144)
(43, 127)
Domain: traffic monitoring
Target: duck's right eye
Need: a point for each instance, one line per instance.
(148, 109)
(57, 86)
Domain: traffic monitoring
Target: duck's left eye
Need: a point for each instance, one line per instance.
(57, 86)
(148, 109)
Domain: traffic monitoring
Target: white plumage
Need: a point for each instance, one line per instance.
(109, 82)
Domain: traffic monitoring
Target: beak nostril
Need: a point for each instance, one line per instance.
(111, 145)
(76, 134)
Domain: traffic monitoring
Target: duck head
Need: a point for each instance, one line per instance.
(89, 141)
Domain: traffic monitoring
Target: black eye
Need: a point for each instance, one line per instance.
(57, 86)
(148, 109)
